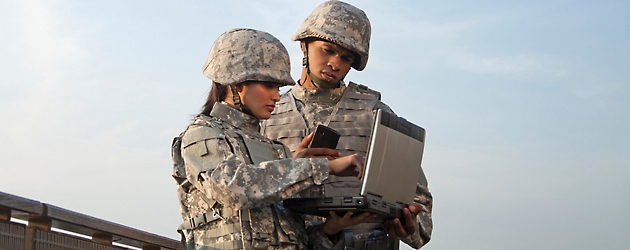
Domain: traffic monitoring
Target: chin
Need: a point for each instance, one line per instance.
(264, 116)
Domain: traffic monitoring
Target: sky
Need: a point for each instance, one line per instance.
(526, 105)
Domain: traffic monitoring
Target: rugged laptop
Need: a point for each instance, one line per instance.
(392, 171)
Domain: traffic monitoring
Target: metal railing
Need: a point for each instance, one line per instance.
(85, 232)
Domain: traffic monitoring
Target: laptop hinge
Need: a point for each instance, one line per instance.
(371, 195)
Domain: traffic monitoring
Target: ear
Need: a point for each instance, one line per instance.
(239, 87)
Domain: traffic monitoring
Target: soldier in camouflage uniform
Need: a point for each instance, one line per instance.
(335, 37)
(231, 180)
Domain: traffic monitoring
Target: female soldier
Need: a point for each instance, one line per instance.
(230, 178)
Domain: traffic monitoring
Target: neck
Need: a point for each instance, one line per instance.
(309, 80)
(305, 80)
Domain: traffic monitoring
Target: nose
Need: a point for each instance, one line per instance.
(275, 95)
(333, 62)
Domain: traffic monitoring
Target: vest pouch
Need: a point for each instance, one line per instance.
(262, 225)
(284, 121)
(353, 144)
(355, 130)
(260, 151)
(201, 151)
(289, 137)
(292, 228)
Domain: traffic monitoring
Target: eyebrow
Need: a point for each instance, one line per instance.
(340, 49)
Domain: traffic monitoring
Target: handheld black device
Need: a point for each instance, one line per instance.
(391, 176)
(325, 137)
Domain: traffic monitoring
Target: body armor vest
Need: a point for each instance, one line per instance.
(218, 226)
(352, 117)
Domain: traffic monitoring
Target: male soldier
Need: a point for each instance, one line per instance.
(335, 37)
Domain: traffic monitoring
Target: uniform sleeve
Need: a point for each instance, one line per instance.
(222, 175)
(424, 225)
(384, 107)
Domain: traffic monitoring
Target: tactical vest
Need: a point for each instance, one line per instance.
(352, 117)
(216, 226)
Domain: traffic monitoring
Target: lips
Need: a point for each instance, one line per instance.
(329, 77)
(270, 108)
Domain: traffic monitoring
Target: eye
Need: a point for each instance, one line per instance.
(348, 59)
(271, 85)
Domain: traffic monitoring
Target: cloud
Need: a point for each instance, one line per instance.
(52, 146)
(45, 56)
(49, 52)
(464, 59)
(447, 44)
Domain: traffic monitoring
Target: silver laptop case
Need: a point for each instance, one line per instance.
(394, 157)
(392, 171)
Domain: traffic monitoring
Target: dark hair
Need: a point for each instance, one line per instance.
(217, 93)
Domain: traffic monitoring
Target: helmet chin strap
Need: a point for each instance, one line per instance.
(316, 81)
(237, 102)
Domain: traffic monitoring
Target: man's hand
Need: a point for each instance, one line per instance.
(334, 224)
(396, 230)
(303, 151)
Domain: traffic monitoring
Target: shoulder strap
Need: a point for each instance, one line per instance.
(364, 89)
(355, 92)
(294, 109)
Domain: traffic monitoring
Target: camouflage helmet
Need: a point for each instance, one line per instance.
(241, 55)
(342, 24)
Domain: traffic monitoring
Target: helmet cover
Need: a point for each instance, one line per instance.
(241, 55)
(342, 24)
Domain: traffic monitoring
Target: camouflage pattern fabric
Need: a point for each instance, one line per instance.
(347, 110)
(218, 175)
(319, 101)
(241, 55)
(342, 24)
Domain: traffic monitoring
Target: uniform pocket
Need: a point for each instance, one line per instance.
(262, 225)
(292, 227)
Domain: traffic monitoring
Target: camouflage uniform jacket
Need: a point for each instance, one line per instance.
(348, 110)
(231, 182)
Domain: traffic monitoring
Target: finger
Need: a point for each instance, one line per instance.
(304, 143)
(324, 152)
(348, 215)
(415, 208)
(359, 166)
(368, 218)
(410, 226)
(400, 231)
(308, 153)
(360, 218)
(333, 215)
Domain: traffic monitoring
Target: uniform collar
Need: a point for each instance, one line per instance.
(318, 95)
(228, 114)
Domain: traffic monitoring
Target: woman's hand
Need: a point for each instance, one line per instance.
(351, 165)
(334, 224)
(303, 151)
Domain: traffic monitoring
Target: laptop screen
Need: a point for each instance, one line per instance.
(394, 157)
